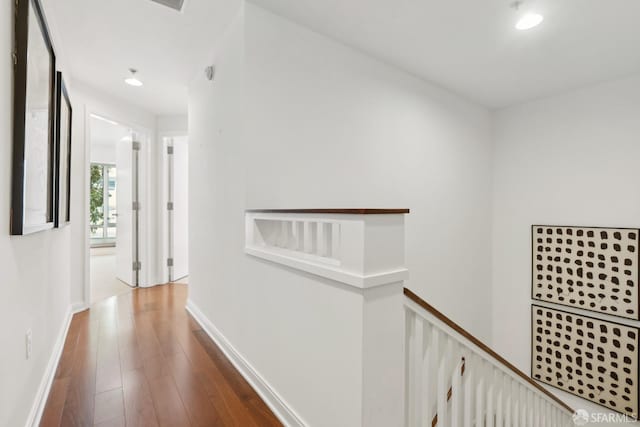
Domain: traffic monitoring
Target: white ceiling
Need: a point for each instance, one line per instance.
(467, 46)
(102, 39)
(472, 48)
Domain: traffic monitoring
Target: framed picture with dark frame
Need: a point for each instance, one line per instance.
(32, 190)
(64, 114)
(591, 268)
(589, 357)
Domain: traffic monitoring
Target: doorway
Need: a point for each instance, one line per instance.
(176, 218)
(114, 220)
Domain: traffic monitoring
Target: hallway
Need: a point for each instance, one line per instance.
(320, 213)
(104, 283)
(140, 359)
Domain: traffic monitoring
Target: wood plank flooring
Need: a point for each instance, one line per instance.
(139, 359)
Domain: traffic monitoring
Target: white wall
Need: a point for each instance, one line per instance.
(570, 159)
(306, 345)
(332, 128)
(105, 136)
(172, 125)
(103, 153)
(35, 270)
(335, 128)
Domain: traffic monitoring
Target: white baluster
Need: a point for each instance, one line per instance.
(298, 233)
(310, 237)
(413, 374)
(537, 419)
(438, 343)
(469, 379)
(335, 240)
(550, 415)
(480, 394)
(518, 396)
(442, 389)
(322, 240)
(527, 398)
(327, 239)
(508, 403)
(408, 368)
(431, 353)
(456, 391)
(420, 375)
(489, 417)
(283, 236)
(499, 400)
(527, 412)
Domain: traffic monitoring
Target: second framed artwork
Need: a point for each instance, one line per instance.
(63, 153)
(591, 358)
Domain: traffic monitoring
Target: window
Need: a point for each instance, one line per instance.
(103, 212)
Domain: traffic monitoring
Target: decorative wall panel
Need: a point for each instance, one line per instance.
(591, 268)
(588, 357)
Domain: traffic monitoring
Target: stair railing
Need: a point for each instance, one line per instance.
(455, 380)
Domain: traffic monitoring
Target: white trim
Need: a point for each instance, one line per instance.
(86, 204)
(31, 229)
(47, 379)
(78, 307)
(273, 400)
(337, 274)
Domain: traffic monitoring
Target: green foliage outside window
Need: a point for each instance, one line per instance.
(96, 215)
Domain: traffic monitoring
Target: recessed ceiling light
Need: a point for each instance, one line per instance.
(132, 80)
(528, 21)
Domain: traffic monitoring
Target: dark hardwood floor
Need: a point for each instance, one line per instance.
(139, 359)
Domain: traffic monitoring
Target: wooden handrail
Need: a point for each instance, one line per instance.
(350, 211)
(459, 329)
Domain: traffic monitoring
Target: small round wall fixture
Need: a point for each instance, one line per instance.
(209, 72)
(132, 80)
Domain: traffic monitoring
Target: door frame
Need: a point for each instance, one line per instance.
(164, 235)
(143, 187)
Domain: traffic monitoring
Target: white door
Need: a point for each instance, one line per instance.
(126, 258)
(178, 208)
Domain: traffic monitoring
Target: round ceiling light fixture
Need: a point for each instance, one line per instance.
(132, 80)
(528, 20)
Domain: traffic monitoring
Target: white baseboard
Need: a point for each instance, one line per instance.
(78, 307)
(47, 379)
(273, 400)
